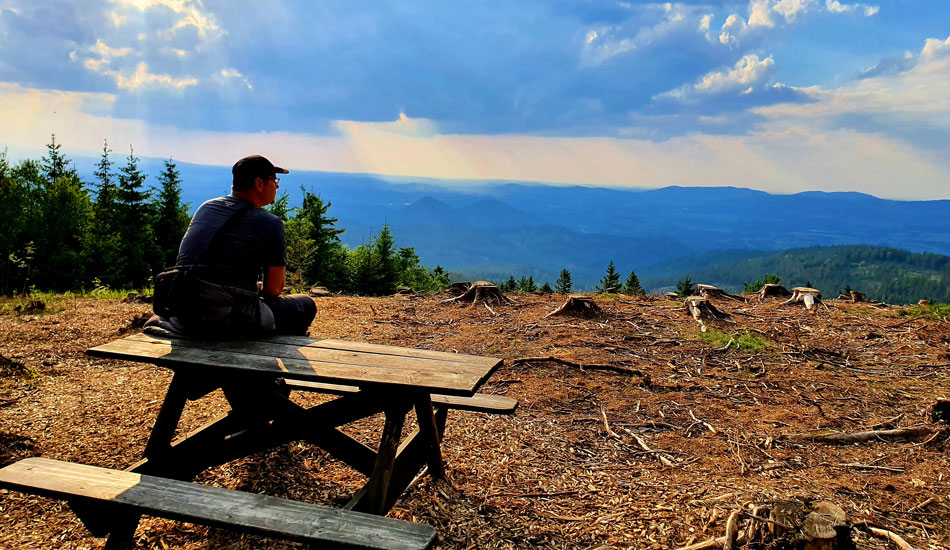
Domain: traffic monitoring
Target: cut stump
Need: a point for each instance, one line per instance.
(710, 291)
(804, 295)
(704, 312)
(319, 292)
(578, 306)
(770, 290)
(480, 291)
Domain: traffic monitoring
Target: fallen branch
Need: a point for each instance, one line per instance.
(711, 543)
(858, 466)
(902, 433)
(610, 432)
(645, 447)
(890, 535)
(582, 366)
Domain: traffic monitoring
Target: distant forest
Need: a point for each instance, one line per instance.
(60, 233)
(884, 274)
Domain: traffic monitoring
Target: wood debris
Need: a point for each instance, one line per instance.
(632, 431)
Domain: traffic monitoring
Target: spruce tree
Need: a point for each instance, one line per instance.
(15, 225)
(63, 212)
(104, 239)
(611, 281)
(140, 255)
(685, 287)
(563, 284)
(632, 286)
(328, 264)
(510, 285)
(172, 216)
(546, 288)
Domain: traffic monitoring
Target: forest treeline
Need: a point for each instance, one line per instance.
(60, 233)
(885, 274)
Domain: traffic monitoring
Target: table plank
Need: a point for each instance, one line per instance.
(442, 373)
(214, 506)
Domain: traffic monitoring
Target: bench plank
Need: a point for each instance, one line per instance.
(480, 402)
(445, 376)
(190, 502)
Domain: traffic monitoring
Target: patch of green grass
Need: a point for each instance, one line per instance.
(38, 302)
(742, 341)
(933, 311)
(607, 297)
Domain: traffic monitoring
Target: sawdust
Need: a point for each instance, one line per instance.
(571, 469)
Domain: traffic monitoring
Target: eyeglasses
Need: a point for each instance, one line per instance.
(275, 178)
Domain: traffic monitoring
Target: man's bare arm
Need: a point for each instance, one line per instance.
(274, 280)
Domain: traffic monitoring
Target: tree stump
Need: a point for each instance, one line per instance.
(459, 288)
(672, 296)
(710, 291)
(804, 295)
(704, 312)
(858, 297)
(480, 291)
(578, 306)
(769, 290)
(319, 292)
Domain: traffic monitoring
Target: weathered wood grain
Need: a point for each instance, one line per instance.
(244, 512)
(443, 373)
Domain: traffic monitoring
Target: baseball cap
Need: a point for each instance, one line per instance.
(255, 166)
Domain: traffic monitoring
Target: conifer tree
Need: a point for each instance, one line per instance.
(55, 164)
(62, 212)
(103, 237)
(139, 254)
(685, 287)
(546, 288)
(328, 263)
(172, 216)
(15, 225)
(510, 285)
(632, 286)
(563, 284)
(611, 281)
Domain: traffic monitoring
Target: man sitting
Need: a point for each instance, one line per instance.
(230, 243)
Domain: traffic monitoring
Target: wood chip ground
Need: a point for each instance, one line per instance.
(571, 469)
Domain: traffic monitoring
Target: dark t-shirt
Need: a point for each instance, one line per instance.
(250, 244)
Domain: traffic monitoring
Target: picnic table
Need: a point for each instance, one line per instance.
(257, 377)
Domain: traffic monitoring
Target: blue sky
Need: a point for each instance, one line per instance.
(778, 95)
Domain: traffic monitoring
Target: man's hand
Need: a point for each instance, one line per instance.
(273, 280)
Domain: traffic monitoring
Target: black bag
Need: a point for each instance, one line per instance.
(181, 291)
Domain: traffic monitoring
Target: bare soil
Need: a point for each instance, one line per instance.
(569, 470)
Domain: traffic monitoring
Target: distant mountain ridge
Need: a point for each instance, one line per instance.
(494, 230)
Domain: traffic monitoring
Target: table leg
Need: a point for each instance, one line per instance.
(372, 498)
(431, 436)
(168, 416)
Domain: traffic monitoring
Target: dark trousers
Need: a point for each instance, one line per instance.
(292, 314)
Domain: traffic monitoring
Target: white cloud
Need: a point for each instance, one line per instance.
(733, 26)
(759, 14)
(835, 6)
(916, 98)
(141, 78)
(191, 13)
(704, 22)
(606, 42)
(748, 72)
(781, 157)
(790, 9)
(935, 49)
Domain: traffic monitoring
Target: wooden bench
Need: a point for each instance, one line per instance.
(108, 501)
(480, 402)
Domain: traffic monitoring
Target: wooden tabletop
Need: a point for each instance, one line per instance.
(302, 358)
